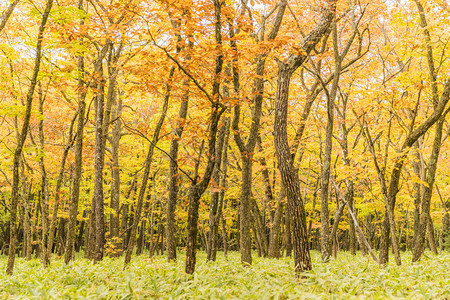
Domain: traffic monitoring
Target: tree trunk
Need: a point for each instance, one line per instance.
(148, 164)
(44, 184)
(7, 13)
(21, 140)
(218, 192)
(116, 134)
(174, 177)
(75, 195)
(302, 260)
(425, 218)
(274, 243)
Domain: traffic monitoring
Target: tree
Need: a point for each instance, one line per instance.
(22, 137)
(286, 68)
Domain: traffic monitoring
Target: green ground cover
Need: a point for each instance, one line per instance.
(348, 277)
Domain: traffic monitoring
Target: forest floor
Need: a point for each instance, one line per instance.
(347, 277)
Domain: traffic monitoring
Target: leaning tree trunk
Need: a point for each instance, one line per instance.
(148, 164)
(428, 191)
(296, 209)
(21, 141)
(7, 13)
(289, 176)
(59, 180)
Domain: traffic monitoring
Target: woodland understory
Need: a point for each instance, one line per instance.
(263, 130)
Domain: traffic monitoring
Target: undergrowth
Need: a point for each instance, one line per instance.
(347, 277)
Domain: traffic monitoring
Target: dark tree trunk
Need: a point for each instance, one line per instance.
(197, 189)
(425, 219)
(79, 241)
(247, 149)
(75, 196)
(116, 134)
(44, 184)
(218, 192)
(174, 177)
(21, 141)
(289, 176)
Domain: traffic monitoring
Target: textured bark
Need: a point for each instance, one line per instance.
(174, 177)
(289, 176)
(425, 219)
(21, 141)
(302, 259)
(218, 193)
(44, 184)
(116, 134)
(75, 195)
(247, 148)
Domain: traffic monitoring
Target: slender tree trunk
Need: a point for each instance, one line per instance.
(197, 189)
(425, 218)
(115, 175)
(218, 193)
(174, 177)
(75, 195)
(275, 230)
(59, 182)
(98, 217)
(7, 13)
(148, 164)
(21, 140)
(44, 185)
(247, 149)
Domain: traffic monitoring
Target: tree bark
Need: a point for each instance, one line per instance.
(116, 134)
(174, 177)
(21, 140)
(44, 184)
(75, 195)
(286, 68)
(247, 149)
(197, 189)
(217, 194)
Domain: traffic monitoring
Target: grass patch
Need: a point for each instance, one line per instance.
(348, 277)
